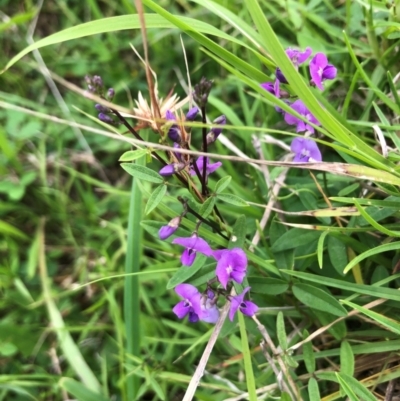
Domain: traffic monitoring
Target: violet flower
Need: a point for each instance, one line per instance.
(232, 264)
(166, 231)
(192, 113)
(190, 305)
(272, 87)
(210, 168)
(209, 311)
(193, 245)
(305, 150)
(246, 307)
(297, 57)
(171, 169)
(174, 133)
(321, 70)
(301, 108)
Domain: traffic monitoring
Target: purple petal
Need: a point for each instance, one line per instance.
(186, 291)
(238, 276)
(188, 257)
(210, 312)
(170, 116)
(329, 72)
(192, 113)
(300, 107)
(236, 301)
(166, 231)
(167, 170)
(222, 274)
(212, 167)
(269, 87)
(297, 145)
(317, 65)
(305, 149)
(218, 253)
(193, 317)
(174, 133)
(248, 308)
(280, 77)
(302, 126)
(181, 309)
(303, 56)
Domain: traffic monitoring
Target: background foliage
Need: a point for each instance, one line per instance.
(65, 204)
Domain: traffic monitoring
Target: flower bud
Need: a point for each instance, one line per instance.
(101, 108)
(192, 113)
(279, 75)
(171, 169)
(110, 94)
(201, 91)
(174, 133)
(105, 118)
(170, 228)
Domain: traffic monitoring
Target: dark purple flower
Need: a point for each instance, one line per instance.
(201, 91)
(210, 168)
(232, 264)
(305, 150)
(178, 155)
(301, 108)
(105, 118)
(321, 70)
(101, 108)
(193, 245)
(170, 228)
(272, 87)
(110, 94)
(190, 303)
(171, 169)
(246, 307)
(192, 113)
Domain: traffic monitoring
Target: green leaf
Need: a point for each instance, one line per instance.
(346, 387)
(308, 354)
(346, 358)
(267, 285)
(8, 229)
(232, 199)
(222, 184)
(238, 236)
(285, 259)
(155, 198)
(142, 172)
(285, 397)
(281, 332)
(320, 248)
(131, 155)
(313, 390)
(207, 207)
(379, 249)
(185, 272)
(356, 387)
(79, 391)
(374, 291)
(337, 253)
(318, 299)
(391, 324)
(294, 238)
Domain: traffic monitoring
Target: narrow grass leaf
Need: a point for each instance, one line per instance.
(248, 368)
(8, 229)
(320, 248)
(79, 391)
(185, 272)
(313, 390)
(346, 358)
(142, 172)
(155, 198)
(374, 251)
(308, 354)
(392, 325)
(281, 332)
(318, 299)
(346, 387)
(232, 199)
(374, 291)
(357, 387)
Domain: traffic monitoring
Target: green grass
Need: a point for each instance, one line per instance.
(86, 285)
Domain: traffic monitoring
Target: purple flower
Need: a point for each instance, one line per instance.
(192, 113)
(246, 307)
(174, 133)
(171, 169)
(193, 245)
(272, 87)
(305, 150)
(232, 264)
(169, 115)
(300, 107)
(210, 168)
(297, 57)
(197, 306)
(321, 70)
(170, 228)
(190, 303)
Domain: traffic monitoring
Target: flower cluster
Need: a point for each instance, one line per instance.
(305, 150)
(231, 267)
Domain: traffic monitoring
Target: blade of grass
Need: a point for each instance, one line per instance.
(70, 350)
(131, 286)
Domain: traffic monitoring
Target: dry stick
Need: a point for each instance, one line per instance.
(274, 350)
(198, 374)
(150, 83)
